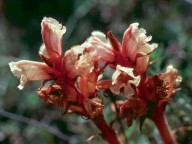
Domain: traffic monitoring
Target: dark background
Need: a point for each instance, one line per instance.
(23, 116)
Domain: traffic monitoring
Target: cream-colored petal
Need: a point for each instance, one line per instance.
(123, 77)
(85, 64)
(29, 71)
(98, 46)
(135, 41)
(42, 50)
(172, 75)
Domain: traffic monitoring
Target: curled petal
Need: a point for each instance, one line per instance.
(124, 78)
(172, 78)
(99, 47)
(52, 33)
(29, 71)
(135, 42)
(57, 95)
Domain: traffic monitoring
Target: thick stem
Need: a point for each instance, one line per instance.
(162, 125)
(107, 132)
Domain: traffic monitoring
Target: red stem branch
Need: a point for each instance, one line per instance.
(107, 132)
(162, 125)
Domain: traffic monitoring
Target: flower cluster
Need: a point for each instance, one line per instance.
(76, 76)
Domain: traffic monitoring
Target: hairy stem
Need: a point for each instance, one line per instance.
(107, 132)
(162, 125)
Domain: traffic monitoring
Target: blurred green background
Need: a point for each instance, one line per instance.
(23, 116)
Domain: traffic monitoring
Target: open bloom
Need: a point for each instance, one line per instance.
(136, 48)
(60, 69)
(162, 86)
(152, 94)
(74, 75)
(54, 66)
(134, 51)
(124, 79)
(99, 47)
(50, 52)
(172, 78)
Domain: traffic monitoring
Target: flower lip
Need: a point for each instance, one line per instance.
(124, 78)
(30, 70)
(135, 42)
(54, 24)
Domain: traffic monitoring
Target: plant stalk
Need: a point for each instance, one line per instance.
(108, 133)
(161, 123)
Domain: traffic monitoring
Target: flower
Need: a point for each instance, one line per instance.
(50, 52)
(172, 78)
(124, 78)
(54, 66)
(61, 69)
(99, 47)
(135, 42)
(133, 108)
(162, 86)
(74, 76)
(134, 51)
(88, 86)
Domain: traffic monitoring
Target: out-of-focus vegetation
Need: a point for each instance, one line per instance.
(23, 116)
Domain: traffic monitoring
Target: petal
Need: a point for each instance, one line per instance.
(135, 42)
(70, 59)
(99, 47)
(85, 64)
(52, 33)
(124, 78)
(142, 64)
(172, 77)
(43, 51)
(129, 43)
(87, 84)
(30, 70)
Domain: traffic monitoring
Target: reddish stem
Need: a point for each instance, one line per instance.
(107, 132)
(162, 125)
